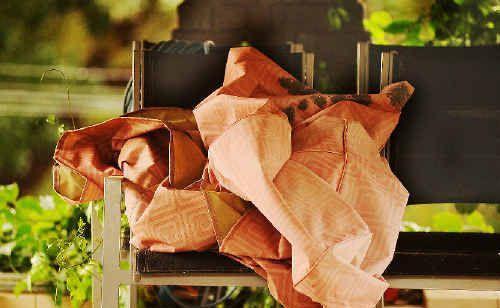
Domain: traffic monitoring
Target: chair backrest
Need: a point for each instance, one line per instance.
(183, 80)
(446, 147)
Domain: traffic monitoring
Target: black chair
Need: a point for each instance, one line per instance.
(181, 79)
(166, 79)
(178, 47)
(425, 152)
(446, 149)
(419, 157)
(179, 74)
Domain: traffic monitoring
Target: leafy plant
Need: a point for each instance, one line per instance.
(47, 239)
(337, 16)
(447, 23)
(465, 218)
(34, 140)
(250, 298)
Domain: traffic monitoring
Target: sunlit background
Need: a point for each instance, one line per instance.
(84, 48)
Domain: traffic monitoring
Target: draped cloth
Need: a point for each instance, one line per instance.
(288, 181)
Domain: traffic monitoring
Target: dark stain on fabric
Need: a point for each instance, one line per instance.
(295, 87)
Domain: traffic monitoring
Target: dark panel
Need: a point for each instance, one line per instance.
(180, 80)
(449, 242)
(185, 80)
(149, 262)
(454, 254)
(268, 49)
(444, 264)
(447, 145)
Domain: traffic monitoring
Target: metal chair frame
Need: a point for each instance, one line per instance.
(106, 239)
(387, 61)
(105, 292)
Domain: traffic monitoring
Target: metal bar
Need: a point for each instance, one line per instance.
(445, 283)
(304, 68)
(137, 68)
(296, 47)
(133, 286)
(363, 69)
(309, 69)
(112, 276)
(386, 77)
(307, 62)
(401, 282)
(386, 68)
(96, 240)
(205, 279)
(132, 296)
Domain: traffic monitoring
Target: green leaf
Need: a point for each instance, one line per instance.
(343, 13)
(398, 26)
(6, 249)
(466, 208)
(124, 265)
(51, 119)
(447, 222)
(476, 222)
(48, 239)
(381, 18)
(20, 287)
(28, 208)
(412, 37)
(335, 21)
(23, 230)
(9, 193)
(377, 32)
(459, 2)
(427, 32)
(40, 268)
(81, 226)
(47, 203)
(7, 227)
(60, 288)
(336, 16)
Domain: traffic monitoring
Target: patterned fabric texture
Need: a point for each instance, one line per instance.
(287, 181)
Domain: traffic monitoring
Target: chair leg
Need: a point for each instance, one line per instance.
(132, 303)
(112, 276)
(110, 293)
(96, 240)
(133, 285)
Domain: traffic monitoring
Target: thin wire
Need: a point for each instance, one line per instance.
(67, 91)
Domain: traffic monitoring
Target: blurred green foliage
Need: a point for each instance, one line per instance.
(440, 23)
(34, 31)
(83, 33)
(337, 15)
(250, 298)
(24, 145)
(80, 32)
(49, 240)
(449, 217)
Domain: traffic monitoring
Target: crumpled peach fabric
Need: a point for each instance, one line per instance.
(288, 181)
